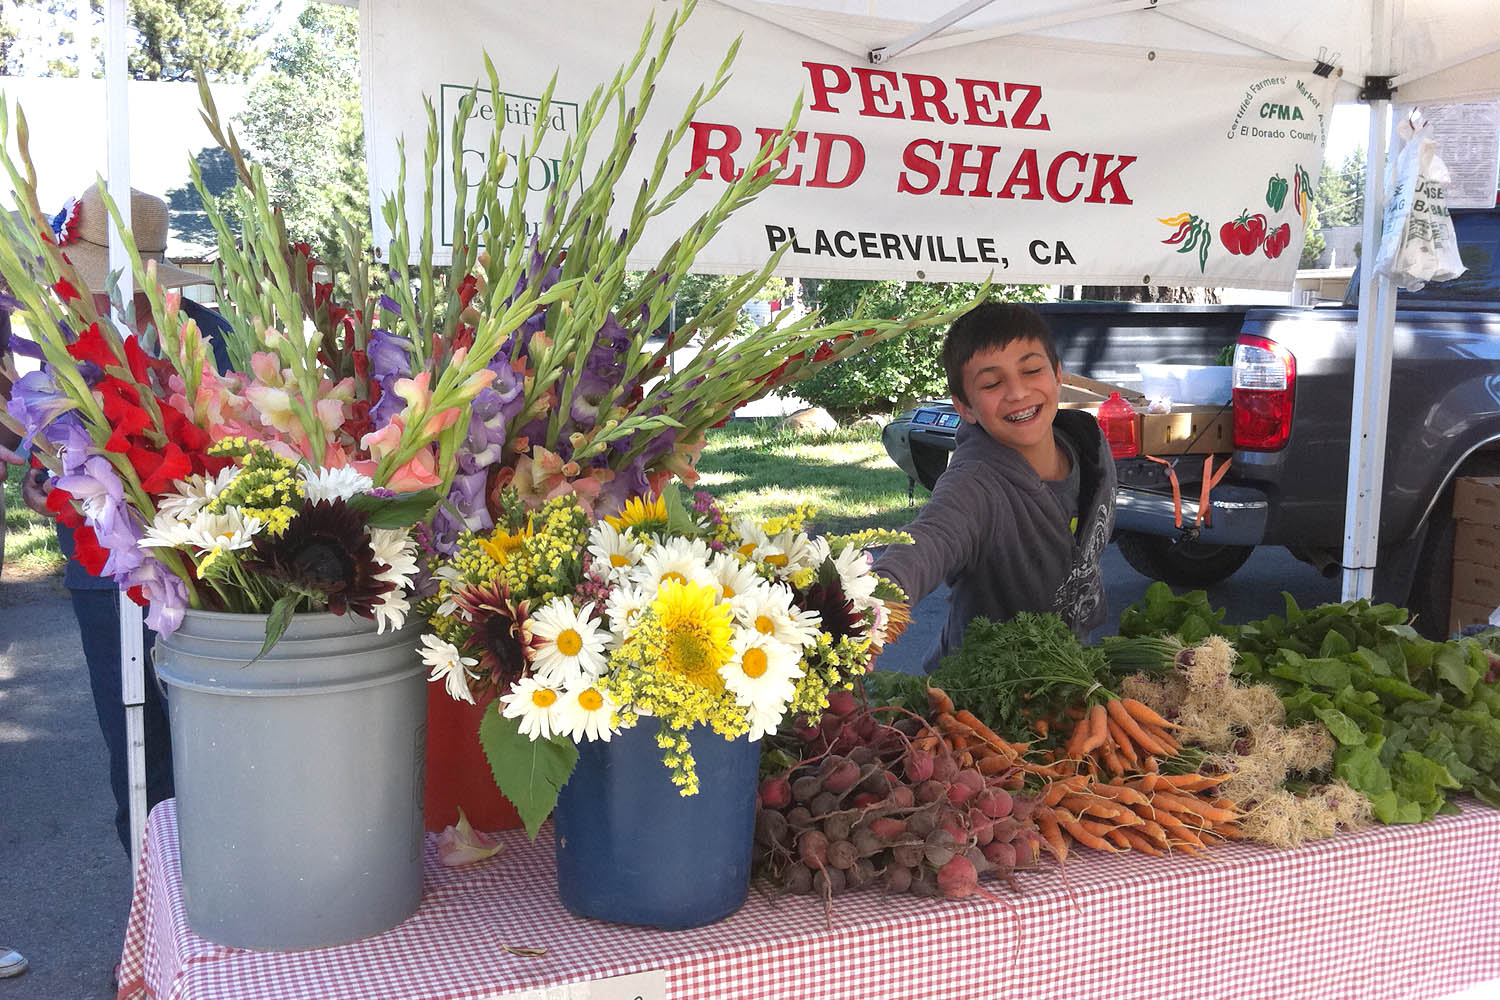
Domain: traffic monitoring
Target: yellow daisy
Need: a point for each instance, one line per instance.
(642, 514)
(697, 631)
(502, 543)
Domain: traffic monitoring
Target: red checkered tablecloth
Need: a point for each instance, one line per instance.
(1407, 912)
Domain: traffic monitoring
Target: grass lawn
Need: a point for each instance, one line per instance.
(30, 542)
(760, 469)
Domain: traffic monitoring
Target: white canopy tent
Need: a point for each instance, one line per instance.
(1426, 51)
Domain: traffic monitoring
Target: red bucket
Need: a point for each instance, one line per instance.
(458, 773)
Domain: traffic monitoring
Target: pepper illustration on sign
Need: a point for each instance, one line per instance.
(1191, 233)
(1301, 190)
(1243, 235)
(1277, 240)
(1276, 192)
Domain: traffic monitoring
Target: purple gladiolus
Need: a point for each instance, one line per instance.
(36, 401)
(164, 589)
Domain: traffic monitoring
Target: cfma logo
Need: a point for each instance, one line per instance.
(1278, 108)
(534, 164)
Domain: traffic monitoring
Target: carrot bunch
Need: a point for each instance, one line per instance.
(976, 744)
(1121, 734)
(1152, 813)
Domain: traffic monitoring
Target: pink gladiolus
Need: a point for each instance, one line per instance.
(384, 441)
(417, 475)
(415, 390)
(462, 845)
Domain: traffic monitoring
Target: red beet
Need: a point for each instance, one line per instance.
(888, 828)
(944, 767)
(897, 879)
(1002, 856)
(902, 797)
(931, 790)
(842, 702)
(842, 854)
(840, 776)
(812, 849)
(994, 802)
(958, 878)
(918, 766)
(776, 793)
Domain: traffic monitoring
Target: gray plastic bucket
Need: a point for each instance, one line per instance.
(299, 777)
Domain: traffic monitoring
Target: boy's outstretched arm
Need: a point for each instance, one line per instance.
(946, 534)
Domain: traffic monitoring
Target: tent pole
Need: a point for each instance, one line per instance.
(132, 662)
(1372, 375)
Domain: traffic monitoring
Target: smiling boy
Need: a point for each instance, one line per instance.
(1022, 515)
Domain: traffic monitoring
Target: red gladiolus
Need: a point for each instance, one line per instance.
(466, 290)
(824, 352)
(136, 359)
(158, 472)
(60, 506)
(138, 595)
(65, 290)
(91, 346)
(87, 550)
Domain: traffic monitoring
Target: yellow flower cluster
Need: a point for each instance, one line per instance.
(267, 486)
(642, 683)
(546, 563)
(793, 521)
(869, 538)
(826, 666)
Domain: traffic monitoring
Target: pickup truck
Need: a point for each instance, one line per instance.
(1292, 405)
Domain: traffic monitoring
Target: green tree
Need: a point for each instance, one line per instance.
(304, 124)
(1315, 244)
(1340, 197)
(900, 371)
(174, 36)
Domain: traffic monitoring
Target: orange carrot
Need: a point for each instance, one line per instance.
(1195, 806)
(1040, 728)
(1140, 842)
(1121, 793)
(993, 764)
(1112, 759)
(1162, 738)
(1047, 825)
(1142, 712)
(1123, 744)
(1098, 730)
(1118, 838)
(1133, 729)
(1086, 838)
(938, 700)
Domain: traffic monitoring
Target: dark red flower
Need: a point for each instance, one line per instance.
(466, 290)
(503, 630)
(65, 290)
(325, 550)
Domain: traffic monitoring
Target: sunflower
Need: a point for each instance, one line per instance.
(325, 552)
(697, 632)
(640, 513)
(503, 628)
(501, 543)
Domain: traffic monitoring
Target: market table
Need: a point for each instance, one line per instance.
(1388, 912)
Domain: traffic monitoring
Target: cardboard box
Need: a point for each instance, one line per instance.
(1476, 499)
(1477, 543)
(1476, 593)
(1196, 430)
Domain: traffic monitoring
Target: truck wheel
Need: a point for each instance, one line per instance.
(1432, 580)
(1181, 563)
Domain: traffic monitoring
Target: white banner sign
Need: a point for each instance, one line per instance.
(1048, 162)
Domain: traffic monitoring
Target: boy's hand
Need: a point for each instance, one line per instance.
(7, 459)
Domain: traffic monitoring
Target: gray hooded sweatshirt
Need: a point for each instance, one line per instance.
(1000, 538)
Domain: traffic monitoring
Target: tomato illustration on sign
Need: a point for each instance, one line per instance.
(1278, 240)
(1243, 235)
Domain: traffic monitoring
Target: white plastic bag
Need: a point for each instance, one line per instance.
(1417, 243)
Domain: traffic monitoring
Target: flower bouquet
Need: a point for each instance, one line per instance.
(665, 611)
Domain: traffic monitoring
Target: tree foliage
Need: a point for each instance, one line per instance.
(304, 123)
(173, 36)
(1340, 197)
(900, 371)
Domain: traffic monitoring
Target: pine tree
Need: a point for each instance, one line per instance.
(304, 124)
(175, 35)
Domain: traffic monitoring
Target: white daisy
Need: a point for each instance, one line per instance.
(751, 537)
(624, 608)
(228, 531)
(682, 559)
(614, 552)
(536, 705)
(167, 532)
(333, 484)
(763, 721)
(449, 666)
(571, 644)
(763, 671)
(770, 611)
(585, 712)
(853, 566)
(194, 493)
(735, 576)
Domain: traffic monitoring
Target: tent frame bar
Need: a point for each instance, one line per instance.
(923, 36)
(1477, 52)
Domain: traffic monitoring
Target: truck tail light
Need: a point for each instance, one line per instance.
(1265, 380)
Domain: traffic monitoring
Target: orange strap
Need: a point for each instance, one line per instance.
(1176, 487)
(1210, 480)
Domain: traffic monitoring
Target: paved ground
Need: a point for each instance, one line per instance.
(64, 882)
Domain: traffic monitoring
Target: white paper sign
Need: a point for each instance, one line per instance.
(1050, 162)
(1468, 140)
(637, 986)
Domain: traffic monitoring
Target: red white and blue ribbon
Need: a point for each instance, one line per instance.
(65, 223)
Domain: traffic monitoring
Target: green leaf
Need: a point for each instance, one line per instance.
(1343, 728)
(400, 511)
(1452, 664)
(529, 772)
(1334, 644)
(680, 520)
(277, 621)
(1360, 767)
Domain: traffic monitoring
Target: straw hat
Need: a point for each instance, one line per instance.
(84, 237)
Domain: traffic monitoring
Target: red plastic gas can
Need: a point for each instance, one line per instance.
(1121, 426)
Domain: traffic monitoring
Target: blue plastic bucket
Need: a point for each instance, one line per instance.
(630, 849)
